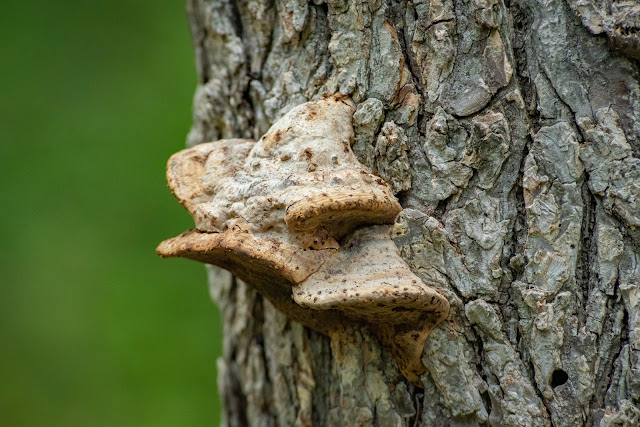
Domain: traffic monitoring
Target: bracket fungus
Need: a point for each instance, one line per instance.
(296, 216)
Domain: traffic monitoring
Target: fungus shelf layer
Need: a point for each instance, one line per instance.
(299, 218)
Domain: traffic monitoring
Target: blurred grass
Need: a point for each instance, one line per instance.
(94, 328)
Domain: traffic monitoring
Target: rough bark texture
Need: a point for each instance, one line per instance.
(510, 132)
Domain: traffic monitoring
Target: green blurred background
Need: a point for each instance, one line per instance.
(94, 328)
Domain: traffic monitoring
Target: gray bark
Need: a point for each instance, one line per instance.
(510, 131)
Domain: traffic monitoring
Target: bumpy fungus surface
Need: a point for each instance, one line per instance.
(299, 218)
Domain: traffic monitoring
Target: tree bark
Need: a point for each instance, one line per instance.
(510, 132)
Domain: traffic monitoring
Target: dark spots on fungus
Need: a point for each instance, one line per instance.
(308, 153)
(312, 111)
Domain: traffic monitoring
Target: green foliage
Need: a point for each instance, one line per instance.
(94, 328)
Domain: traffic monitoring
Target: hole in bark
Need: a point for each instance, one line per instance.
(558, 377)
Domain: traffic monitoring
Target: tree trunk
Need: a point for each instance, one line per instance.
(510, 133)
